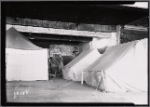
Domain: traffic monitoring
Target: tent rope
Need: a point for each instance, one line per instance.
(114, 81)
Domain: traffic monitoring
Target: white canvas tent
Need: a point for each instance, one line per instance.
(73, 70)
(24, 60)
(121, 68)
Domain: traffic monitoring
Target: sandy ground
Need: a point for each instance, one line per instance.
(66, 91)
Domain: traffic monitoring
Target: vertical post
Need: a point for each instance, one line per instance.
(113, 39)
(82, 77)
(48, 63)
(118, 31)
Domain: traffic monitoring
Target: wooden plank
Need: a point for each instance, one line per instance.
(131, 35)
(136, 28)
(41, 30)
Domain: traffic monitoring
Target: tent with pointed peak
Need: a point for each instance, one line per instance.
(16, 40)
(73, 70)
(121, 68)
(24, 60)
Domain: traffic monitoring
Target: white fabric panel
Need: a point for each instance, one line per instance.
(131, 72)
(26, 65)
(73, 70)
(125, 68)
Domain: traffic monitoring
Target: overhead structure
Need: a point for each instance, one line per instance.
(121, 68)
(41, 30)
(24, 60)
(74, 69)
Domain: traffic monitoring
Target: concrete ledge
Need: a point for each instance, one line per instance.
(41, 30)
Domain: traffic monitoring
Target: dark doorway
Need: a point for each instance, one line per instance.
(55, 66)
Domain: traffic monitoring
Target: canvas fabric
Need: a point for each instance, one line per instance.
(16, 40)
(121, 68)
(73, 70)
(26, 65)
(24, 60)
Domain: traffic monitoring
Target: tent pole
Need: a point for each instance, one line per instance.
(82, 78)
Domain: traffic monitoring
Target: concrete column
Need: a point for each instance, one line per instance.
(113, 39)
(118, 31)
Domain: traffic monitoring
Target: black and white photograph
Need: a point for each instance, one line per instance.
(73, 52)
